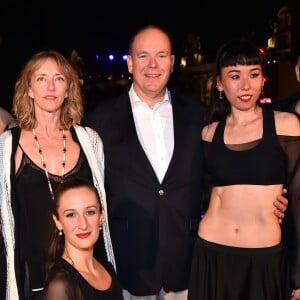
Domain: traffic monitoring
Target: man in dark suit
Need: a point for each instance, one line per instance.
(153, 173)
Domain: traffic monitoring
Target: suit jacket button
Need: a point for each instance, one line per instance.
(161, 192)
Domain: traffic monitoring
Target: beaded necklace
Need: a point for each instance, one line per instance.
(44, 163)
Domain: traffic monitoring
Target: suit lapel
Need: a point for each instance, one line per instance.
(136, 155)
(180, 119)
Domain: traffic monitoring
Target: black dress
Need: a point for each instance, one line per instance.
(31, 204)
(66, 283)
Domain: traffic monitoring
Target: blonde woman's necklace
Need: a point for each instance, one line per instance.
(44, 163)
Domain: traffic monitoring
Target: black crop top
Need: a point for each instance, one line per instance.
(273, 159)
(260, 162)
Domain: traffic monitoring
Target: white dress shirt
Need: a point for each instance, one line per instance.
(154, 127)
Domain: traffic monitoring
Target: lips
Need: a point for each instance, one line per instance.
(245, 98)
(83, 235)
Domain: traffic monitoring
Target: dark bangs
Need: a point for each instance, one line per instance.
(238, 52)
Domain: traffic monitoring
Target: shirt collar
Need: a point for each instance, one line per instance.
(135, 99)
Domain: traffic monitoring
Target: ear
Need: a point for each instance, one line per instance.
(30, 93)
(57, 222)
(101, 219)
(129, 63)
(297, 71)
(219, 84)
(172, 62)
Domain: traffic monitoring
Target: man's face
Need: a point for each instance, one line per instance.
(151, 63)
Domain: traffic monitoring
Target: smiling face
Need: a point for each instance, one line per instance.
(48, 87)
(151, 63)
(242, 85)
(79, 217)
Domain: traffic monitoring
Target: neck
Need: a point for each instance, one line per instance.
(47, 123)
(48, 130)
(151, 98)
(82, 260)
(244, 117)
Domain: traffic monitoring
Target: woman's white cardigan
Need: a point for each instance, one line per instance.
(93, 149)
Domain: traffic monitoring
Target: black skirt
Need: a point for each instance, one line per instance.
(222, 272)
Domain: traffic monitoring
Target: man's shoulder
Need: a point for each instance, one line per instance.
(286, 104)
(189, 101)
(109, 102)
(102, 110)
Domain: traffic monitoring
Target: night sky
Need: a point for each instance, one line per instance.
(94, 24)
(97, 27)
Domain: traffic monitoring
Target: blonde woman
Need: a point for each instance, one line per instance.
(47, 147)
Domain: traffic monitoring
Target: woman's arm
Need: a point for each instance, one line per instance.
(62, 287)
(6, 120)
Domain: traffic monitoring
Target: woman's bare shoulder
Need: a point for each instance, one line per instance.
(208, 131)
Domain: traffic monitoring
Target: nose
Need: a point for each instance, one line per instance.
(245, 84)
(153, 61)
(82, 223)
(246, 88)
(51, 85)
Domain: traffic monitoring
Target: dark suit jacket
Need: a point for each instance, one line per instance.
(153, 226)
(288, 104)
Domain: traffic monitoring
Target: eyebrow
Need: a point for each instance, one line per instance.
(253, 69)
(44, 74)
(74, 209)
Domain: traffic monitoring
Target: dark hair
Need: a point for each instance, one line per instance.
(232, 53)
(56, 242)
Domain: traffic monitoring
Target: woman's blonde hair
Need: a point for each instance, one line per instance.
(23, 106)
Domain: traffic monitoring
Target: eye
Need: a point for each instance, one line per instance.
(162, 55)
(235, 77)
(91, 212)
(142, 55)
(60, 78)
(254, 75)
(40, 78)
(70, 215)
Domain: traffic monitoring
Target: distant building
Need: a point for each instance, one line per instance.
(194, 75)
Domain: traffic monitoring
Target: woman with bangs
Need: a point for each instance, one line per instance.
(251, 155)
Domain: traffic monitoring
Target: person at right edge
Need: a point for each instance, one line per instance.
(153, 173)
(251, 153)
(292, 102)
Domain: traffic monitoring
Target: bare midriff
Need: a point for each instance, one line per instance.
(242, 216)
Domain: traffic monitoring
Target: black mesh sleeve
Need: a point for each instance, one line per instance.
(291, 146)
(61, 287)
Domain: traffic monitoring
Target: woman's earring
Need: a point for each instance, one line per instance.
(60, 232)
(102, 221)
(220, 95)
(262, 90)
